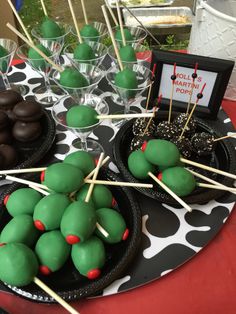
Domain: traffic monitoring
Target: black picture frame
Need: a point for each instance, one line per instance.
(223, 68)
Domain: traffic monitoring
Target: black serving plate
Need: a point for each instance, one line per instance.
(67, 282)
(30, 153)
(222, 158)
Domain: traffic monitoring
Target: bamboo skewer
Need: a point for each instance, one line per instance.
(224, 137)
(194, 107)
(28, 170)
(150, 88)
(216, 187)
(12, 28)
(55, 296)
(115, 183)
(121, 23)
(75, 21)
(44, 8)
(172, 92)
(84, 12)
(154, 112)
(112, 14)
(194, 76)
(128, 115)
(39, 190)
(27, 182)
(211, 169)
(20, 21)
(112, 37)
(176, 197)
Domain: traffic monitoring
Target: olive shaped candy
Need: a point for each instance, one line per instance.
(3, 52)
(49, 211)
(139, 166)
(81, 159)
(127, 79)
(101, 196)
(161, 152)
(89, 31)
(81, 116)
(35, 58)
(84, 52)
(62, 178)
(20, 229)
(127, 33)
(78, 222)
(52, 251)
(89, 257)
(127, 54)
(50, 29)
(73, 78)
(22, 201)
(179, 180)
(19, 264)
(113, 223)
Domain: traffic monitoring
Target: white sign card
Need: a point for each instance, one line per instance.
(183, 84)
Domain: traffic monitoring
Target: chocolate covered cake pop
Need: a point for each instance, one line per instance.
(166, 131)
(28, 111)
(9, 155)
(8, 99)
(89, 257)
(138, 141)
(26, 131)
(180, 122)
(203, 143)
(184, 145)
(5, 137)
(140, 125)
(4, 120)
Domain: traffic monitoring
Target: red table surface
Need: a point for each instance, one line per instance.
(204, 285)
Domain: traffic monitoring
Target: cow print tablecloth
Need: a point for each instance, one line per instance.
(170, 236)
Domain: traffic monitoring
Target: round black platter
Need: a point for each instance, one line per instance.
(30, 153)
(67, 282)
(222, 158)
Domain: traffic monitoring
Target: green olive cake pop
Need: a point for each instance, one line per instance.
(22, 201)
(52, 251)
(127, 33)
(3, 52)
(49, 211)
(84, 52)
(62, 178)
(71, 77)
(50, 29)
(89, 257)
(101, 196)
(127, 54)
(161, 152)
(139, 166)
(81, 159)
(78, 222)
(179, 180)
(36, 60)
(81, 116)
(90, 32)
(127, 79)
(20, 229)
(113, 223)
(19, 264)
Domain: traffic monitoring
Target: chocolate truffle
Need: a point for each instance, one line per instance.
(184, 145)
(25, 132)
(203, 143)
(166, 131)
(4, 120)
(140, 124)
(180, 122)
(5, 137)
(8, 99)
(28, 111)
(9, 154)
(138, 141)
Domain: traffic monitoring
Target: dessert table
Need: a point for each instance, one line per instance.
(205, 284)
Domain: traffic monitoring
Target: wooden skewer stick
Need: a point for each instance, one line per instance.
(176, 197)
(90, 191)
(75, 21)
(194, 76)
(14, 30)
(150, 88)
(20, 21)
(92, 172)
(198, 165)
(55, 296)
(216, 187)
(224, 137)
(199, 96)
(27, 182)
(121, 23)
(154, 112)
(44, 8)
(115, 183)
(84, 12)
(128, 115)
(112, 14)
(173, 77)
(143, 26)
(39, 190)
(28, 170)
(112, 37)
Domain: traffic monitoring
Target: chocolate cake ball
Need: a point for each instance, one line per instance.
(9, 155)
(8, 99)
(138, 141)
(26, 131)
(28, 111)
(4, 120)
(184, 145)
(5, 136)
(140, 124)
(180, 122)
(166, 130)
(203, 143)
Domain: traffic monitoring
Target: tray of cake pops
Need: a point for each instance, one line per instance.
(27, 131)
(177, 161)
(74, 236)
